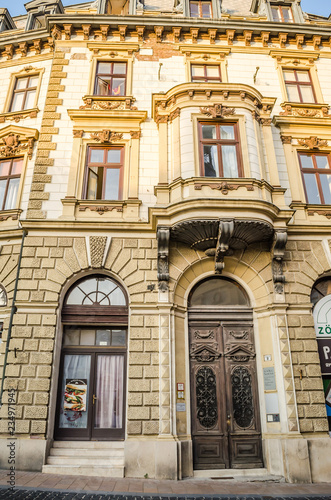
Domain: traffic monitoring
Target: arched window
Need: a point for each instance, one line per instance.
(218, 292)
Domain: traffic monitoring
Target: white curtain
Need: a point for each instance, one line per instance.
(109, 391)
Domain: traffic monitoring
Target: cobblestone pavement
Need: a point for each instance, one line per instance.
(38, 486)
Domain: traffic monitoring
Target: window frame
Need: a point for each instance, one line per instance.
(111, 75)
(35, 72)
(280, 11)
(298, 84)
(200, 2)
(316, 171)
(205, 79)
(92, 147)
(219, 142)
(8, 178)
(20, 91)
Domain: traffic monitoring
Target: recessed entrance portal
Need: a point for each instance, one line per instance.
(224, 398)
(92, 371)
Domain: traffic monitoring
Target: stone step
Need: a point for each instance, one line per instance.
(89, 444)
(90, 452)
(84, 470)
(110, 462)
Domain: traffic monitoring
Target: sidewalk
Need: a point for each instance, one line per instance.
(184, 487)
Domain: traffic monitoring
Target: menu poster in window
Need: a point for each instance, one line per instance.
(75, 395)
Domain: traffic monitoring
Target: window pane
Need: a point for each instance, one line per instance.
(71, 336)
(213, 71)
(118, 86)
(118, 338)
(292, 92)
(87, 337)
(21, 83)
(322, 161)
(12, 194)
(206, 10)
(117, 297)
(114, 156)
(97, 155)
(92, 184)
(119, 68)
(229, 158)
(312, 189)
(17, 102)
(218, 292)
(112, 184)
(210, 161)
(198, 70)
(104, 68)
(30, 99)
(105, 286)
(2, 192)
(227, 132)
(306, 161)
(17, 167)
(307, 93)
(103, 85)
(194, 9)
(4, 168)
(33, 82)
(76, 296)
(103, 337)
(303, 76)
(289, 75)
(287, 14)
(208, 131)
(326, 187)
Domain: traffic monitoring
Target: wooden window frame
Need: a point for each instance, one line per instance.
(299, 84)
(8, 178)
(104, 165)
(316, 171)
(200, 2)
(219, 143)
(35, 72)
(22, 91)
(205, 78)
(111, 75)
(280, 11)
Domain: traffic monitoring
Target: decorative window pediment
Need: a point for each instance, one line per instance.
(16, 141)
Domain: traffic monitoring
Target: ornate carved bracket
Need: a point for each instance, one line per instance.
(163, 239)
(106, 136)
(278, 252)
(226, 229)
(312, 142)
(217, 111)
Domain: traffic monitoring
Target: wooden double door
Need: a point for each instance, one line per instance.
(224, 397)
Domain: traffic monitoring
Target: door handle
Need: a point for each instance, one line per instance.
(94, 398)
(228, 422)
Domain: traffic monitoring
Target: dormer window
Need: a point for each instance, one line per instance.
(38, 10)
(201, 8)
(281, 13)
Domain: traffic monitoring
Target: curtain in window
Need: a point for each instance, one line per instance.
(109, 391)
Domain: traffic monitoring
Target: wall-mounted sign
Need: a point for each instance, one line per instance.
(322, 317)
(324, 349)
(75, 395)
(180, 391)
(180, 407)
(269, 378)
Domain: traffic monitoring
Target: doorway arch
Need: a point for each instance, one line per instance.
(225, 421)
(91, 392)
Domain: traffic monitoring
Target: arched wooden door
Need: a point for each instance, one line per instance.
(91, 394)
(224, 398)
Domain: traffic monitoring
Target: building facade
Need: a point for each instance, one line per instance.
(165, 265)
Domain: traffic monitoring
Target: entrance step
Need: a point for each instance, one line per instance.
(253, 475)
(86, 458)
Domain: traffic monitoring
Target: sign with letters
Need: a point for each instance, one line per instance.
(324, 349)
(322, 318)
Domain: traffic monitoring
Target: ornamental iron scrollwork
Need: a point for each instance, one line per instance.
(206, 397)
(242, 397)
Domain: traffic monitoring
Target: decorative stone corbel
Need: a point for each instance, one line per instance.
(23, 46)
(176, 34)
(37, 46)
(194, 34)
(230, 36)
(9, 51)
(212, 35)
(317, 40)
(158, 32)
(225, 232)
(104, 32)
(300, 40)
(248, 37)
(278, 252)
(163, 239)
(67, 31)
(86, 31)
(56, 32)
(283, 40)
(140, 33)
(122, 30)
(265, 35)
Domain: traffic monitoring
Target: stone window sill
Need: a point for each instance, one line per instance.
(105, 209)
(16, 116)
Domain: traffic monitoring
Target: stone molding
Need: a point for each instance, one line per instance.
(313, 142)
(16, 141)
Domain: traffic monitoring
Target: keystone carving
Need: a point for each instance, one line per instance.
(278, 252)
(217, 111)
(163, 239)
(106, 136)
(313, 143)
(97, 250)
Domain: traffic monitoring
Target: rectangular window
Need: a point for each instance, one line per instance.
(299, 86)
(104, 179)
(281, 14)
(219, 150)
(10, 173)
(200, 8)
(24, 93)
(316, 174)
(110, 79)
(205, 73)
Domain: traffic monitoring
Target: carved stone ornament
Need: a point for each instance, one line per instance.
(56, 32)
(217, 111)
(326, 213)
(158, 32)
(313, 143)
(163, 240)
(109, 105)
(23, 47)
(224, 187)
(204, 353)
(106, 136)
(241, 334)
(176, 34)
(100, 209)
(37, 46)
(278, 252)
(286, 139)
(9, 51)
(13, 146)
(230, 36)
(204, 334)
(240, 353)
(140, 32)
(226, 229)
(194, 34)
(320, 112)
(78, 134)
(97, 250)
(86, 31)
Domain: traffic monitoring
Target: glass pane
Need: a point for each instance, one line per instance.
(197, 70)
(71, 335)
(105, 286)
(306, 161)
(87, 337)
(194, 9)
(293, 93)
(229, 159)
(16, 167)
(210, 161)
(33, 82)
(275, 14)
(287, 14)
(75, 391)
(307, 93)
(2, 192)
(112, 182)
(119, 68)
(118, 338)
(218, 292)
(103, 85)
(21, 83)
(17, 102)
(89, 285)
(322, 161)
(91, 297)
(76, 296)
(289, 75)
(118, 86)
(206, 9)
(117, 297)
(213, 71)
(92, 185)
(227, 132)
(104, 68)
(326, 188)
(114, 156)
(109, 392)
(4, 168)
(303, 76)
(103, 337)
(208, 132)
(312, 189)
(97, 156)
(30, 99)
(12, 193)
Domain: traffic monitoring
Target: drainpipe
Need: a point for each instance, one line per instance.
(12, 312)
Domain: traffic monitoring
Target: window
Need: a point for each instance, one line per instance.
(281, 14)
(316, 173)
(200, 8)
(110, 79)
(205, 73)
(24, 93)
(299, 86)
(39, 22)
(10, 173)
(219, 150)
(104, 180)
